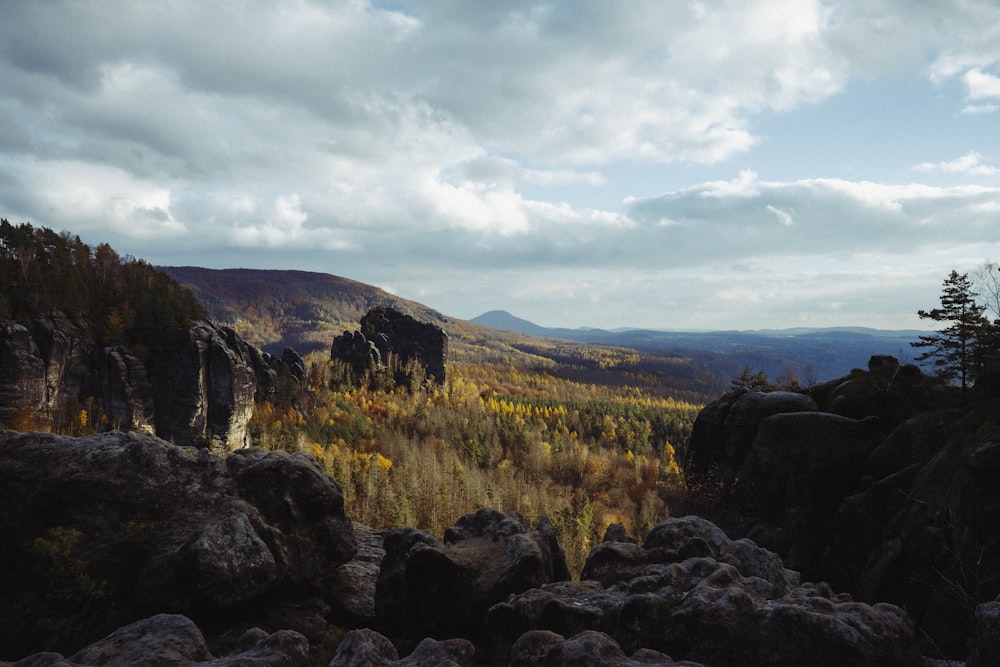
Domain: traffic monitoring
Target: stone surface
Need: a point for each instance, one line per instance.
(539, 648)
(172, 640)
(709, 599)
(887, 491)
(104, 530)
(443, 588)
(350, 590)
(368, 648)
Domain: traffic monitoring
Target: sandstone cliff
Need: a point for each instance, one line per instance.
(881, 483)
(390, 341)
(195, 387)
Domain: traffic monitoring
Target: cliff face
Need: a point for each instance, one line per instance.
(884, 487)
(197, 388)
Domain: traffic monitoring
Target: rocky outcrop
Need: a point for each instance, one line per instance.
(885, 491)
(105, 530)
(725, 430)
(390, 340)
(368, 648)
(706, 598)
(354, 349)
(196, 388)
(430, 587)
(350, 589)
(587, 649)
(172, 639)
(799, 470)
(203, 387)
(43, 369)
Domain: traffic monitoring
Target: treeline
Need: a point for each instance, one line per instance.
(125, 300)
(585, 455)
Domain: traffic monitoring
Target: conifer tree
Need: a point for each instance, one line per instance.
(953, 348)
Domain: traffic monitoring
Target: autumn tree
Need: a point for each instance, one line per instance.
(953, 349)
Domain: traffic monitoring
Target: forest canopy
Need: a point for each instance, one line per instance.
(126, 300)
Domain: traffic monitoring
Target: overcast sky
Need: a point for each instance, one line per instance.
(656, 163)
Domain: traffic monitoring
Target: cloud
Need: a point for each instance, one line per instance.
(970, 164)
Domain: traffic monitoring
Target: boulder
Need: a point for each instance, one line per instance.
(169, 640)
(430, 587)
(725, 430)
(800, 469)
(689, 605)
(108, 529)
(368, 648)
(350, 589)
(587, 649)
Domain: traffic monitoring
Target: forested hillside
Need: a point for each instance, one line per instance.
(124, 299)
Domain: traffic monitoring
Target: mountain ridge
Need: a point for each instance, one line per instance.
(274, 309)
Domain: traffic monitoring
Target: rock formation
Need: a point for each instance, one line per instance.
(430, 587)
(105, 530)
(886, 490)
(196, 389)
(703, 597)
(391, 340)
(172, 639)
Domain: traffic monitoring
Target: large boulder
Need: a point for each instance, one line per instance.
(104, 530)
(800, 469)
(350, 589)
(443, 588)
(544, 648)
(168, 640)
(746, 609)
(725, 430)
(368, 648)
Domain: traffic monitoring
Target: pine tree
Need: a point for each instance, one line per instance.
(953, 348)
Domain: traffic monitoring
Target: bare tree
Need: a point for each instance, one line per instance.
(987, 284)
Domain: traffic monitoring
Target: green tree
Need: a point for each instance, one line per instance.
(953, 349)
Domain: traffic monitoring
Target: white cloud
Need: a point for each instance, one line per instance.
(970, 164)
(981, 85)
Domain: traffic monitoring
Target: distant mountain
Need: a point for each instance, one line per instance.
(809, 353)
(501, 319)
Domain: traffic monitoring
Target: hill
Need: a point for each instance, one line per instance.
(808, 353)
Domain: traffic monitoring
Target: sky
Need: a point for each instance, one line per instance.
(671, 164)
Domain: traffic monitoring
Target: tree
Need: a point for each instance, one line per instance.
(953, 348)
(987, 282)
